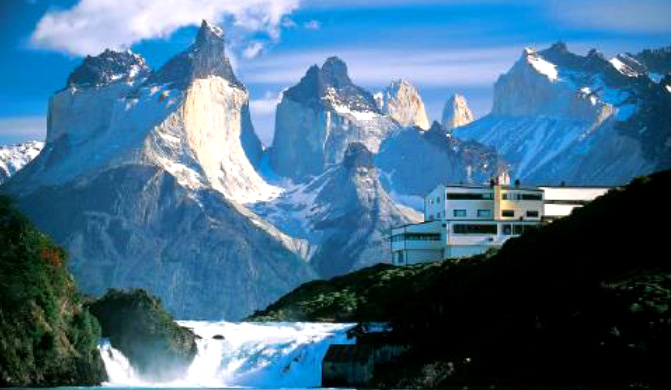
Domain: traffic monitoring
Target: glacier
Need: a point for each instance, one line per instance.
(245, 354)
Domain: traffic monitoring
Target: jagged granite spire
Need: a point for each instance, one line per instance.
(330, 85)
(456, 112)
(401, 101)
(319, 117)
(107, 67)
(205, 58)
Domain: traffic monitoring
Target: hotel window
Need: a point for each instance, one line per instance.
(438, 216)
(508, 213)
(474, 229)
(532, 213)
(485, 213)
(507, 230)
(469, 196)
(437, 199)
(532, 197)
(459, 213)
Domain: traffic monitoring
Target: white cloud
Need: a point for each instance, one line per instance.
(253, 49)
(94, 25)
(20, 129)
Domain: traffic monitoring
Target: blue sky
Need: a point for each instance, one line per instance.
(442, 47)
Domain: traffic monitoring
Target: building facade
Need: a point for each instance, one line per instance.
(461, 221)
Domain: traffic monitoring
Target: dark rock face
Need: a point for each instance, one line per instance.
(357, 155)
(108, 67)
(318, 83)
(206, 57)
(655, 60)
(415, 161)
(146, 334)
(46, 337)
(654, 115)
(355, 215)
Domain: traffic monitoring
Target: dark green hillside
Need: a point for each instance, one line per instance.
(377, 293)
(580, 302)
(46, 337)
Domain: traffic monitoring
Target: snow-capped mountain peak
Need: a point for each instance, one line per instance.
(456, 112)
(401, 101)
(205, 58)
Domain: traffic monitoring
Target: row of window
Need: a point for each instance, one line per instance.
(487, 229)
(511, 213)
(520, 196)
(486, 213)
(482, 213)
(470, 196)
(470, 228)
(416, 237)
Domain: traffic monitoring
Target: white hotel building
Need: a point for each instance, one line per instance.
(461, 221)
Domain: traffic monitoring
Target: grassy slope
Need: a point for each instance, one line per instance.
(46, 337)
(583, 301)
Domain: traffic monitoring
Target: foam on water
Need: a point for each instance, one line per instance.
(269, 355)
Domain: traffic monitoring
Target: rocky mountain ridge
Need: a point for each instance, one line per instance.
(143, 180)
(558, 116)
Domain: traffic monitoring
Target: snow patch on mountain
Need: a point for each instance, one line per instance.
(344, 213)
(15, 157)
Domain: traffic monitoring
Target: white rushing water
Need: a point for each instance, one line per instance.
(262, 355)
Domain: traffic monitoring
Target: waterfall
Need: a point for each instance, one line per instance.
(287, 354)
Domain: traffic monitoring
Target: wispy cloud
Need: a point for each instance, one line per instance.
(253, 49)
(454, 67)
(20, 129)
(91, 26)
(624, 16)
(267, 104)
